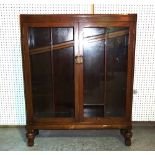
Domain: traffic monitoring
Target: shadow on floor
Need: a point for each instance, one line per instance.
(115, 133)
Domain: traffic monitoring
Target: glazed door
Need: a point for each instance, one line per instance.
(52, 50)
(78, 72)
(104, 49)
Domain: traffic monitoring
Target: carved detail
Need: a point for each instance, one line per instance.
(127, 134)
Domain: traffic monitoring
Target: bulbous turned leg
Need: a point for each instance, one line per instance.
(30, 137)
(127, 134)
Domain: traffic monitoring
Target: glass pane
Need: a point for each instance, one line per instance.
(116, 29)
(94, 77)
(39, 37)
(60, 35)
(116, 72)
(41, 84)
(89, 32)
(64, 81)
(52, 72)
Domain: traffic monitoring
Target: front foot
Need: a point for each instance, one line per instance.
(128, 141)
(30, 137)
(127, 134)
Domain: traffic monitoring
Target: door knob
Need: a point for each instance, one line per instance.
(79, 59)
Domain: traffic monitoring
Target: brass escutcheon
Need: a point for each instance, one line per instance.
(79, 59)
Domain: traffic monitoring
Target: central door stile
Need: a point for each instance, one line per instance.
(77, 73)
(80, 71)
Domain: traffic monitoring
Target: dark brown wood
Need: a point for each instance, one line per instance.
(131, 57)
(78, 18)
(30, 137)
(46, 126)
(127, 134)
(54, 81)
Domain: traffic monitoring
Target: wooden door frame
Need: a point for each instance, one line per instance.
(27, 73)
(130, 69)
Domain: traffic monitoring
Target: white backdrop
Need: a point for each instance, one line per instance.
(12, 104)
